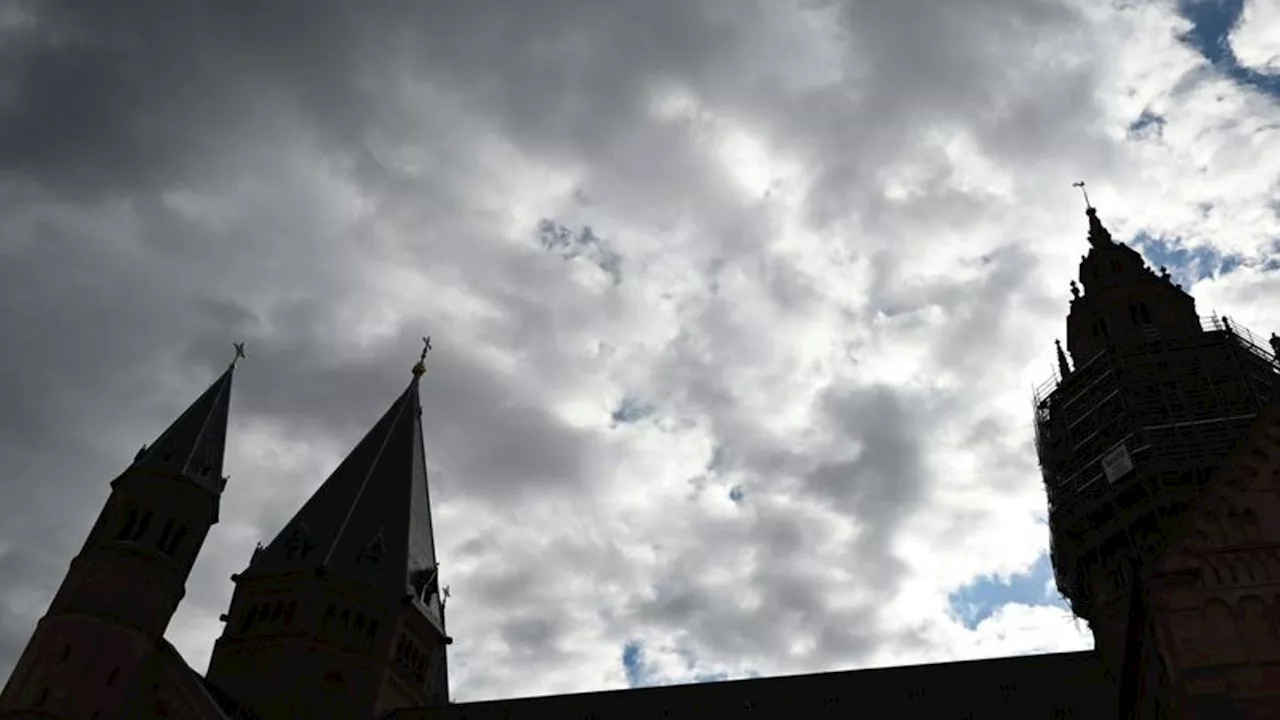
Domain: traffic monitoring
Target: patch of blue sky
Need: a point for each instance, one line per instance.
(641, 674)
(630, 410)
(1187, 265)
(1212, 21)
(981, 598)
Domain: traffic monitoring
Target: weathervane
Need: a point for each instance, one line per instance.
(421, 367)
(1080, 184)
(239, 352)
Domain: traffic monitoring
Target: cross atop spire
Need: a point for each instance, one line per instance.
(239, 353)
(421, 367)
(1085, 192)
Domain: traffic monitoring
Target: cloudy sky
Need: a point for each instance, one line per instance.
(737, 304)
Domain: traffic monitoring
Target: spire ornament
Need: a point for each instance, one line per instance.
(239, 352)
(421, 367)
(1063, 368)
(1085, 192)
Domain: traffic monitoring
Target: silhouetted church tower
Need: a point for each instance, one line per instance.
(1131, 431)
(341, 616)
(93, 648)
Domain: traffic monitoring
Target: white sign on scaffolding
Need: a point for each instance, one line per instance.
(1117, 463)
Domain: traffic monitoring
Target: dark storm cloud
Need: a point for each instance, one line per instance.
(177, 175)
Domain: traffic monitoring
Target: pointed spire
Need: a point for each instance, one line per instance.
(1063, 367)
(192, 447)
(370, 521)
(1099, 236)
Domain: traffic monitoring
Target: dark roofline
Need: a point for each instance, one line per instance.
(1082, 656)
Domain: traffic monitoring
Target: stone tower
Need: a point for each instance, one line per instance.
(1130, 433)
(340, 616)
(93, 647)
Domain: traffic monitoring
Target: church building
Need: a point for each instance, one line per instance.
(1159, 441)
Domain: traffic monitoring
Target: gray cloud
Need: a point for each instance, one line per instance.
(329, 181)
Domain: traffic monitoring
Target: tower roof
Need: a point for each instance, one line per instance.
(1099, 236)
(192, 447)
(371, 519)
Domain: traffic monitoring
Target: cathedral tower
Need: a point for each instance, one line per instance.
(1129, 436)
(341, 616)
(91, 648)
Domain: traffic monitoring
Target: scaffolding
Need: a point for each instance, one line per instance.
(1128, 439)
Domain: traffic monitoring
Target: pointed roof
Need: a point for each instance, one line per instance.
(371, 519)
(1099, 236)
(192, 447)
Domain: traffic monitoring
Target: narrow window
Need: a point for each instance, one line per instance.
(360, 623)
(142, 526)
(175, 540)
(373, 630)
(277, 611)
(164, 534)
(130, 520)
(111, 677)
(1142, 309)
(289, 610)
(248, 619)
(66, 653)
(42, 696)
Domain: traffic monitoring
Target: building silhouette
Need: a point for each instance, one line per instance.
(1160, 448)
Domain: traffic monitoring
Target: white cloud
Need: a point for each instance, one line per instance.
(1256, 37)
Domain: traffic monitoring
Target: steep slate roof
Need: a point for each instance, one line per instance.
(192, 447)
(371, 520)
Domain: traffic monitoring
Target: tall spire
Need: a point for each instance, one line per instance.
(192, 447)
(1098, 235)
(370, 521)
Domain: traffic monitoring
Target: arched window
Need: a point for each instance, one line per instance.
(130, 520)
(1142, 310)
(1259, 632)
(142, 526)
(249, 617)
(175, 540)
(1220, 623)
(164, 534)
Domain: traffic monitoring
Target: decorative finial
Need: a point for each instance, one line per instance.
(1085, 192)
(421, 367)
(1075, 290)
(1063, 367)
(239, 352)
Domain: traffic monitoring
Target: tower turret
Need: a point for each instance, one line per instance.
(1124, 302)
(341, 616)
(117, 599)
(1155, 399)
